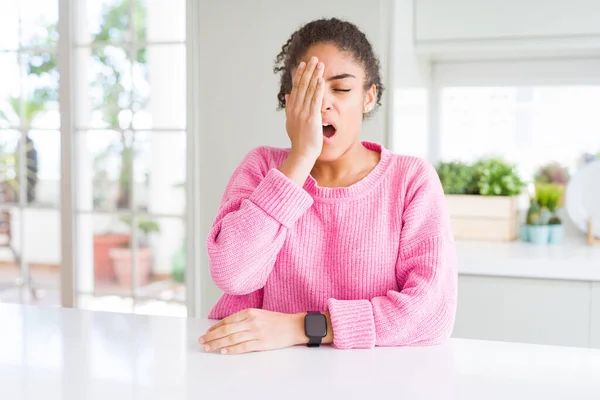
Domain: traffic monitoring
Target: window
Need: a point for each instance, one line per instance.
(130, 137)
(528, 125)
(530, 112)
(29, 152)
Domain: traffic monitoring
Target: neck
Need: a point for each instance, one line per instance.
(356, 162)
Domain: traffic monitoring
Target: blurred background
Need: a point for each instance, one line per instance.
(121, 121)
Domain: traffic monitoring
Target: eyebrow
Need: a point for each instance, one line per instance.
(340, 76)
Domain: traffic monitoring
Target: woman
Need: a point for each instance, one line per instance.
(334, 240)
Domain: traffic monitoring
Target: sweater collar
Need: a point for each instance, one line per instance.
(357, 189)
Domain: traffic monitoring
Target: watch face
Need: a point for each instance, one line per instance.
(315, 325)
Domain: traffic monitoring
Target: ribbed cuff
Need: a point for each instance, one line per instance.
(281, 198)
(353, 324)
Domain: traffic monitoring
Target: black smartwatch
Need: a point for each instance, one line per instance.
(315, 328)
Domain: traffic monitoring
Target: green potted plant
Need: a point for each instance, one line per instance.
(121, 257)
(554, 173)
(538, 217)
(543, 225)
(542, 196)
(482, 198)
(455, 177)
(555, 196)
(532, 218)
(537, 231)
(497, 177)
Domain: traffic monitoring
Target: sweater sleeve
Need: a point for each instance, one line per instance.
(230, 304)
(258, 208)
(422, 312)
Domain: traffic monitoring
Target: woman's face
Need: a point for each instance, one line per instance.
(344, 101)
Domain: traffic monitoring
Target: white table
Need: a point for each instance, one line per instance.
(52, 353)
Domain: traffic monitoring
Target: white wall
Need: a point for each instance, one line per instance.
(411, 85)
(238, 44)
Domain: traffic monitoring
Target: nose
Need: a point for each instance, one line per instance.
(327, 101)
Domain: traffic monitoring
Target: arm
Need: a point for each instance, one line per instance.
(258, 208)
(423, 311)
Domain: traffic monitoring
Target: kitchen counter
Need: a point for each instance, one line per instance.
(572, 260)
(53, 353)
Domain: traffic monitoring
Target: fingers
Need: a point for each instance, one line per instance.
(304, 82)
(231, 340)
(224, 331)
(237, 317)
(296, 83)
(317, 98)
(245, 347)
(312, 86)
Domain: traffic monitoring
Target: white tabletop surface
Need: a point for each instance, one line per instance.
(52, 353)
(572, 260)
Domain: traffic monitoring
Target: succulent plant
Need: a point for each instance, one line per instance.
(533, 214)
(548, 196)
(554, 220)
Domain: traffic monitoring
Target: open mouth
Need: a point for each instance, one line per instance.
(328, 130)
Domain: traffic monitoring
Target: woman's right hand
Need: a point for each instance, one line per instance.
(303, 110)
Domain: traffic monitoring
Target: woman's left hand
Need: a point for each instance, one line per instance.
(254, 330)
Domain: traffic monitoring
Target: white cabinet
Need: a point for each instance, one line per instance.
(541, 311)
(451, 20)
(595, 315)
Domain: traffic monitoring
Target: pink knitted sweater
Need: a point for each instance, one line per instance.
(378, 255)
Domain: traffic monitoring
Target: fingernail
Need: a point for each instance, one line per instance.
(206, 348)
(320, 66)
(313, 60)
(224, 351)
(201, 340)
(302, 65)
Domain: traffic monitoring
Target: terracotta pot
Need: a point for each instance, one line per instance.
(103, 270)
(122, 265)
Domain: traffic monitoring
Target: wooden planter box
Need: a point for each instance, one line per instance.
(494, 218)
